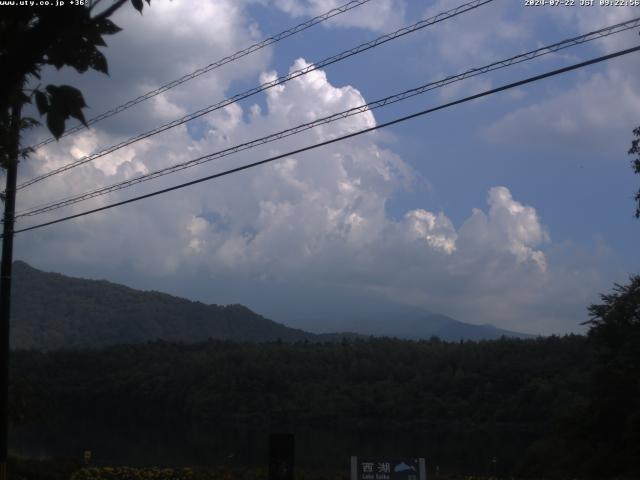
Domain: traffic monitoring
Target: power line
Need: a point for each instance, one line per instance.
(71, 200)
(344, 137)
(267, 85)
(212, 66)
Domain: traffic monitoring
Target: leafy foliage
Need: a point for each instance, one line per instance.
(41, 469)
(616, 322)
(154, 473)
(60, 103)
(36, 36)
(613, 415)
(128, 473)
(635, 164)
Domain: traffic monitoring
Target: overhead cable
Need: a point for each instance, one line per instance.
(212, 66)
(338, 139)
(265, 86)
(523, 57)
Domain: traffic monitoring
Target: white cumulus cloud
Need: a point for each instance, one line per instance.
(311, 221)
(381, 15)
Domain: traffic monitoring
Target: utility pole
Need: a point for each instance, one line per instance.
(5, 281)
(43, 37)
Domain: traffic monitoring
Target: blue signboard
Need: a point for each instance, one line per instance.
(369, 468)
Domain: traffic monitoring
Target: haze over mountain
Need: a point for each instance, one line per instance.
(51, 311)
(405, 322)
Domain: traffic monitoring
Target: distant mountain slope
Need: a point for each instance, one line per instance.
(412, 324)
(51, 311)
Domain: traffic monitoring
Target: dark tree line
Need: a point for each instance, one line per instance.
(574, 397)
(612, 419)
(507, 387)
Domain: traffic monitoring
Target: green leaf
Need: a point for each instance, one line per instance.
(54, 58)
(66, 95)
(137, 4)
(107, 27)
(55, 123)
(64, 102)
(97, 39)
(42, 102)
(78, 115)
(99, 62)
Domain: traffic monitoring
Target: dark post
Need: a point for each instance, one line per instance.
(281, 456)
(5, 284)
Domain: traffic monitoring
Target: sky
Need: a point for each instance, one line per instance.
(514, 210)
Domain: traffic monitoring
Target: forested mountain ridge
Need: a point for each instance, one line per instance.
(51, 311)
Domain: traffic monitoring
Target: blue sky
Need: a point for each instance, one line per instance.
(515, 210)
